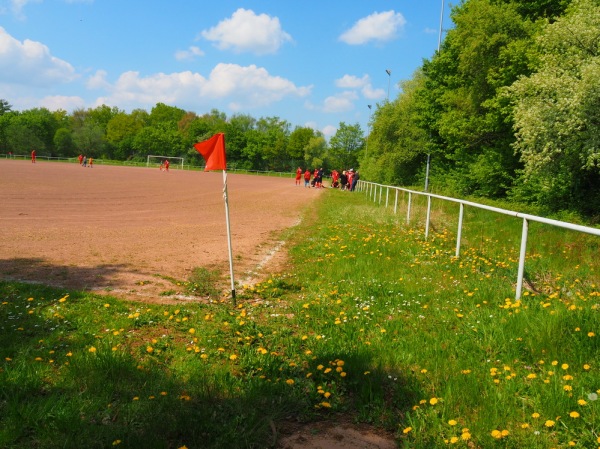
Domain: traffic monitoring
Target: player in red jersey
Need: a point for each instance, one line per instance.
(33, 156)
(298, 175)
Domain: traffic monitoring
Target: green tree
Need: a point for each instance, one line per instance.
(557, 113)
(345, 146)
(63, 142)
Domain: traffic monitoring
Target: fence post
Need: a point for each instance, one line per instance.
(387, 196)
(396, 203)
(380, 193)
(428, 216)
(459, 231)
(408, 210)
(522, 259)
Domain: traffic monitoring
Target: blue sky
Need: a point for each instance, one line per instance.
(312, 63)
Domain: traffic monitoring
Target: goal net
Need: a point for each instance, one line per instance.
(175, 162)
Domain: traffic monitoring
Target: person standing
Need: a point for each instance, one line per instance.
(307, 178)
(343, 180)
(91, 162)
(298, 175)
(33, 155)
(84, 161)
(80, 157)
(166, 164)
(355, 179)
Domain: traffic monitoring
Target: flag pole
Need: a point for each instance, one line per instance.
(228, 236)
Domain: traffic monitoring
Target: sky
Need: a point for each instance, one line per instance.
(311, 63)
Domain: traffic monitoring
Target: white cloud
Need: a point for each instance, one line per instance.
(329, 131)
(189, 54)
(379, 27)
(352, 82)
(247, 87)
(343, 102)
(30, 63)
(363, 84)
(17, 6)
(247, 32)
(56, 102)
(372, 94)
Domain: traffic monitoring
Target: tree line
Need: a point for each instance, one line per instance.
(508, 108)
(104, 132)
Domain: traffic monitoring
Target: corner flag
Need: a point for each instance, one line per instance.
(213, 152)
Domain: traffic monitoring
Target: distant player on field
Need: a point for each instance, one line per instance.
(166, 164)
(298, 175)
(33, 156)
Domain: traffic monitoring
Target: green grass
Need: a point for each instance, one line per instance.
(374, 323)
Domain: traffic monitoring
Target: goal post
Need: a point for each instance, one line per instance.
(158, 160)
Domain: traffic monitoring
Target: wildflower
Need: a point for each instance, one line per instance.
(407, 430)
(290, 381)
(92, 349)
(232, 357)
(149, 349)
(116, 442)
(574, 415)
(192, 331)
(592, 396)
(326, 404)
(586, 367)
(163, 393)
(535, 415)
(453, 440)
(564, 366)
(433, 401)
(591, 334)
(496, 434)
(465, 436)
(549, 423)
(581, 402)
(452, 422)
(524, 426)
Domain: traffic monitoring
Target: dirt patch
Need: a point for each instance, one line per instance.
(325, 435)
(127, 231)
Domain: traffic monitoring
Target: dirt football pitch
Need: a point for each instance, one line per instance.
(122, 230)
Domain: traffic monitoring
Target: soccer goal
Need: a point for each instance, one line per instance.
(158, 160)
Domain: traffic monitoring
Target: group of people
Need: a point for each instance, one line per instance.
(164, 165)
(84, 161)
(346, 180)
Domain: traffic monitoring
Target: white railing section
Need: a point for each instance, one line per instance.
(375, 193)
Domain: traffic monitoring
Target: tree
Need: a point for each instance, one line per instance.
(5, 106)
(345, 146)
(557, 113)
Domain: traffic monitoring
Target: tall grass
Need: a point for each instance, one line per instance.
(374, 323)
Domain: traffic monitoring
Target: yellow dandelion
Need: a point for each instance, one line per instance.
(433, 401)
(535, 415)
(116, 442)
(453, 440)
(290, 381)
(549, 423)
(591, 334)
(407, 430)
(326, 404)
(564, 366)
(233, 357)
(574, 415)
(92, 349)
(465, 436)
(192, 331)
(496, 434)
(149, 349)
(452, 422)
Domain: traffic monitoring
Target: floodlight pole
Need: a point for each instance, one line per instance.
(389, 72)
(368, 132)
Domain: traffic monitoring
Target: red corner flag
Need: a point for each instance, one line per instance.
(213, 152)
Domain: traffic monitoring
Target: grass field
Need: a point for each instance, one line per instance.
(372, 324)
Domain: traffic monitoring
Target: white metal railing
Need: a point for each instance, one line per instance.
(375, 193)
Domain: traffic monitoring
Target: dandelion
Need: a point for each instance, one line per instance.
(564, 366)
(581, 402)
(149, 349)
(407, 430)
(116, 442)
(452, 422)
(453, 440)
(525, 426)
(586, 367)
(496, 434)
(326, 404)
(433, 401)
(233, 357)
(574, 415)
(591, 334)
(592, 396)
(107, 306)
(290, 381)
(535, 415)
(92, 349)
(192, 331)
(465, 436)
(549, 423)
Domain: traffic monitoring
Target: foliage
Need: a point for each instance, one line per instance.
(556, 112)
